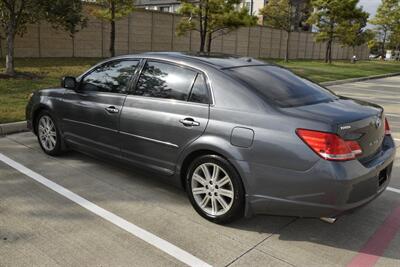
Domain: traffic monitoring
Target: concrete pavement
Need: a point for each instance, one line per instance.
(40, 227)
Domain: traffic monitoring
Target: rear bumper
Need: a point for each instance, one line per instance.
(328, 189)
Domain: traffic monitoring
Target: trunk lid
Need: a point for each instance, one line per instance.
(353, 120)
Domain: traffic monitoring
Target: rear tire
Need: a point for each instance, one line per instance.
(48, 134)
(215, 189)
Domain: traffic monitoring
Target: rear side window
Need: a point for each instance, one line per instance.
(199, 92)
(281, 86)
(163, 80)
(112, 77)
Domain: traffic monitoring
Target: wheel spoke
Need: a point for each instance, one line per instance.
(48, 143)
(204, 202)
(199, 190)
(223, 181)
(199, 179)
(214, 208)
(223, 203)
(226, 193)
(215, 173)
(52, 140)
(206, 172)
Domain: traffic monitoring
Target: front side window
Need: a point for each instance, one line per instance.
(111, 77)
(164, 80)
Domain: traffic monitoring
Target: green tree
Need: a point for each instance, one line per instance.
(331, 17)
(16, 14)
(111, 11)
(212, 18)
(387, 20)
(283, 15)
(395, 40)
(66, 15)
(352, 32)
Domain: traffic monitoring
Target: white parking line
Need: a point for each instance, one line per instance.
(392, 115)
(146, 236)
(364, 89)
(395, 190)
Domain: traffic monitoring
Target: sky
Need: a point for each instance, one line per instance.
(370, 6)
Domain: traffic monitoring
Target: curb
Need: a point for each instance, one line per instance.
(353, 80)
(13, 127)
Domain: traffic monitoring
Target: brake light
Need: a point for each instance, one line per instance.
(387, 128)
(330, 146)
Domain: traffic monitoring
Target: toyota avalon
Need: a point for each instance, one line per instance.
(243, 136)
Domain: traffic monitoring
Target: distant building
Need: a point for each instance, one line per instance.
(171, 6)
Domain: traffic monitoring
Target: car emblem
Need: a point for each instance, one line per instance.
(378, 123)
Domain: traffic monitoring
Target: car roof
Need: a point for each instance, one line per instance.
(216, 60)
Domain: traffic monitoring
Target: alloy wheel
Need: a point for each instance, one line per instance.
(212, 189)
(47, 133)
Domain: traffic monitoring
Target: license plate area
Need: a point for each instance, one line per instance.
(383, 175)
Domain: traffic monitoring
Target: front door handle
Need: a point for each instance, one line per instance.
(189, 122)
(112, 109)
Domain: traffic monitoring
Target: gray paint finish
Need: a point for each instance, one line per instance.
(280, 173)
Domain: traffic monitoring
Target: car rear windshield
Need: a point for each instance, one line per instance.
(281, 86)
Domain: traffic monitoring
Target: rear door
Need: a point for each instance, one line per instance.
(91, 113)
(168, 110)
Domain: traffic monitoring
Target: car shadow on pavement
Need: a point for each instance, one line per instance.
(113, 185)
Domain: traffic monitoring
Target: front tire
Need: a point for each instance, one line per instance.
(48, 134)
(215, 189)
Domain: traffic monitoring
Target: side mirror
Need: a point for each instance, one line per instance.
(69, 82)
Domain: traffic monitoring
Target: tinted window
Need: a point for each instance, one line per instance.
(199, 92)
(165, 81)
(282, 86)
(111, 77)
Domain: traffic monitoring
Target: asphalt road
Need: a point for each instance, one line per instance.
(100, 220)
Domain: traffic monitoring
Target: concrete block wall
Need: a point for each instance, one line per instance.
(144, 31)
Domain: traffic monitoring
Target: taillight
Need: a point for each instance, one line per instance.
(330, 146)
(387, 128)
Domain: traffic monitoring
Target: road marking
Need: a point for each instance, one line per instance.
(392, 115)
(395, 190)
(378, 242)
(146, 236)
(373, 100)
(365, 89)
(396, 139)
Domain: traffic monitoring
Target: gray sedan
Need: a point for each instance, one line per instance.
(242, 136)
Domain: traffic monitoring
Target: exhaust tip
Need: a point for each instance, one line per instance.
(328, 220)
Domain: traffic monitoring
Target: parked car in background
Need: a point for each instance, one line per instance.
(243, 136)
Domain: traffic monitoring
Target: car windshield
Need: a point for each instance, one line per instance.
(281, 86)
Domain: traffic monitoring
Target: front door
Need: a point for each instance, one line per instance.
(91, 113)
(168, 110)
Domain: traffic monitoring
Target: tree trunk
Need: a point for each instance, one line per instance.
(10, 52)
(209, 40)
(202, 41)
(287, 46)
(383, 45)
(112, 32)
(328, 52)
(204, 26)
(73, 44)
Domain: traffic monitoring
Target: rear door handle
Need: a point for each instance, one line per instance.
(189, 122)
(112, 109)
